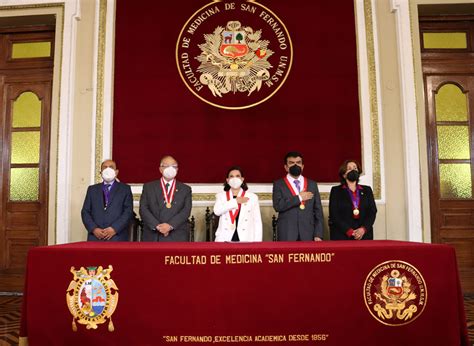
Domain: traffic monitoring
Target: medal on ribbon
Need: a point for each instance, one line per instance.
(168, 196)
(355, 199)
(233, 214)
(305, 186)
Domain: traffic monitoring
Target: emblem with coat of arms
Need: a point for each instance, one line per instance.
(395, 293)
(234, 55)
(92, 297)
(234, 59)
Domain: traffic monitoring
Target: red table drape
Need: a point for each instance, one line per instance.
(167, 296)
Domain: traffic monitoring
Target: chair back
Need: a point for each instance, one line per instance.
(274, 227)
(212, 222)
(192, 225)
(134, 228)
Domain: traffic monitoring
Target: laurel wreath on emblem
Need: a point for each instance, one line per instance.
(92, 297)
(234, 59)
(395, 294)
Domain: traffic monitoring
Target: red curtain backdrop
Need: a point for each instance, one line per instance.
(316, 111)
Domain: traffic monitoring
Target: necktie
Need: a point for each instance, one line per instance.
(167, 187)
(297, 184)
(106, 194)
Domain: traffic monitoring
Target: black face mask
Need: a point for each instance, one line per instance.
(295, 170)
(352, 176)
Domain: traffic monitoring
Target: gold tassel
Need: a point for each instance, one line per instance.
(111, 325)
(74, 327)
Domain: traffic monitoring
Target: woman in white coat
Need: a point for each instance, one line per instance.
(238, 210)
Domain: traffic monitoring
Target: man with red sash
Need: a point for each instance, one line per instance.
(297, 201)
(165, 205)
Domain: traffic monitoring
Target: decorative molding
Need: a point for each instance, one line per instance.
(369, 91)
(109, 52)
(22, 5)
(374, 96)
(56, 194)
(72, 14)
(103, 81)
(401, 10)
(101, 15)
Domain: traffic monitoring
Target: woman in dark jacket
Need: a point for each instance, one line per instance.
(352, 206)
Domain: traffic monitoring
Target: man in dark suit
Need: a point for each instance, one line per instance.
(297, 201)
(165, 205)
(108, 207)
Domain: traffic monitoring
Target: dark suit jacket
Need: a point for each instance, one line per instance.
(340, 212)
(292, 221)
(117, 215)
(153, 211)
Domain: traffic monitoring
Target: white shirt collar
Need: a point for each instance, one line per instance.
(168, 182)
(291, 179)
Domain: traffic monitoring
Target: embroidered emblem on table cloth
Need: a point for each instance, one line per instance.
(395, 293)
(92, 297)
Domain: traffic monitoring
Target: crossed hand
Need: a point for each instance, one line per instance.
(164, 228)
(358, 233)
(104, 233)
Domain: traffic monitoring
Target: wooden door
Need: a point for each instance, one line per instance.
(25, 108)
(448, 68)
(451, 174)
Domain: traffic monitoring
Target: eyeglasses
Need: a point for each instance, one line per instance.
(165, 166)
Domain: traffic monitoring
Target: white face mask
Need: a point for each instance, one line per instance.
(108, 174)
(170, 172)
(235, 182)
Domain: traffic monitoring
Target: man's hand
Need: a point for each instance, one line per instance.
(317, 239)
(99, 233)
(164, 228)
(109, 233)
(305, 195)
(358, 233)
(241, 200)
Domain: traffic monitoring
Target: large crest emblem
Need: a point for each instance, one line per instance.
(92, 297)
(234, 55)
(395, 293)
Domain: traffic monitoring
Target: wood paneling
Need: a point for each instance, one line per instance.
(452, 220)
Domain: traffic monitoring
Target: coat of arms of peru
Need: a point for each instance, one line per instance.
(236, 63)
(395, 293)
(92, 297)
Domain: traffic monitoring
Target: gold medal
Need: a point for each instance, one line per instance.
(355, 212)
(302, 206)
(232, 226)
(168, 205)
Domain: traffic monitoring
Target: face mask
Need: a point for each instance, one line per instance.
(170, 172)
(235, 183)
(352, 176)
(295, 170)
(108, 174)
